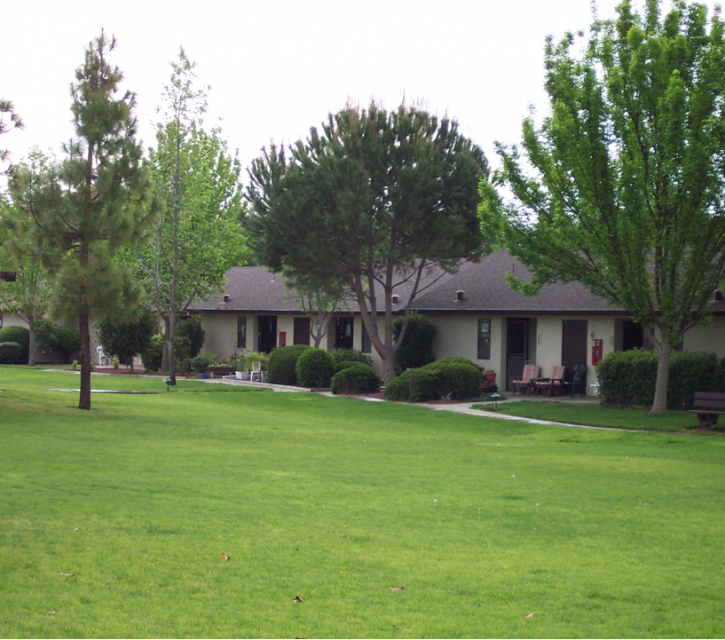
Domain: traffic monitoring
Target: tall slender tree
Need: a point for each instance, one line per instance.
(624, 188)
(198, 236)
(76, 217)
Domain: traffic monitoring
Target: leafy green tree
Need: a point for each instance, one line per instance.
(624, 188)
(27, 294)
(75, 218)
(375, 200)
(198, 236)
(126, 339)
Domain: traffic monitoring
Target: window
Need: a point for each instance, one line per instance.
(484, 338)
(1, 319)
(241, 332)
(366, 346)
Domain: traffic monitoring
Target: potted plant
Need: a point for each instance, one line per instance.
(490, 376)
(241, 373)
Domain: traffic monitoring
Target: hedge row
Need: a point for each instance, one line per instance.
(453, 377)
(629, 377)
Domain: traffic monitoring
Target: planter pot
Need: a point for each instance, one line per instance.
(490, 377)
(242, 375)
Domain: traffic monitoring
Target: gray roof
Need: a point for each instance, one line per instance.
(483, 283)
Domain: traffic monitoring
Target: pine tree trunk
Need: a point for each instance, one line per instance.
(85, 335)
(664, 351)
(31, 341)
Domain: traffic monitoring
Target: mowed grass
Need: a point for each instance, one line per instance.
(335, 500)
(599, 415)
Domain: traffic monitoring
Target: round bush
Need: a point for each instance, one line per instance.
(399, 388)
(351, 355)
(21, 336)
(153, 354)
(66, 341)
(315, 368)
(451, 360)
(9, 351)
(459, 380)
(347, 364)
(359, 378)
(282, 363)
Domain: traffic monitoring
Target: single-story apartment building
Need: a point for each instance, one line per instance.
(477, 315)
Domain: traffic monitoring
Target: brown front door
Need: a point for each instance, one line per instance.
(517, 349)
(574, 347)
(302, 331)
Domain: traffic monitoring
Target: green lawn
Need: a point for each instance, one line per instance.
(335, 500)
(600, 415)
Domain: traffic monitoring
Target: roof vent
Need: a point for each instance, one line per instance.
(460, 295)
(718, 296)
(226, 297)
(396, 298)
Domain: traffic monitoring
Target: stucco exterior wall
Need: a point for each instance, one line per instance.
(710, 339)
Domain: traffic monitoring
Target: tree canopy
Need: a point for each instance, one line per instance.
(623, 185)
(76, 216)
(198, 237)
(374, 200)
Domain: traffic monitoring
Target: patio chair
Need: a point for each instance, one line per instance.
(555, 382)
(578, 378)
(525, 384)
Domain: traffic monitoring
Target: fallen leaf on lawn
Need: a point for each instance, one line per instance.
(396, 588)
(531, 615)
(66, 575)
(224, 558)
(298, 599)
(50, 613)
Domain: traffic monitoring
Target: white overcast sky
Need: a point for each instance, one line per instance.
(277, 67)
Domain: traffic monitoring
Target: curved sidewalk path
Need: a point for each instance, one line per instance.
(462, 408)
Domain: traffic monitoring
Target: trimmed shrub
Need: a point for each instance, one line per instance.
(190, 328)
(9, 352)
(360, 378)
(199, 363)
(282, 363)
(351, 355)
(690, 372)
(347, 364)
(457, 379)
(416, 350)
(451, 360)
(629, 377)
(21, 336)
(315, 368)
(153, 354)
(66, 341)
(425, 384)
(399, 388)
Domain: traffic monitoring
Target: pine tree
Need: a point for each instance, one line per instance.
(98, 200)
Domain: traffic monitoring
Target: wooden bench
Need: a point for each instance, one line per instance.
(706, 406)
(220, 370)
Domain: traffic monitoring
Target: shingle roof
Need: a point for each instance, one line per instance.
(485, 288)
(483, 283)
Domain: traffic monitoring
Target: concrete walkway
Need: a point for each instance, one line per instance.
(461, 408)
